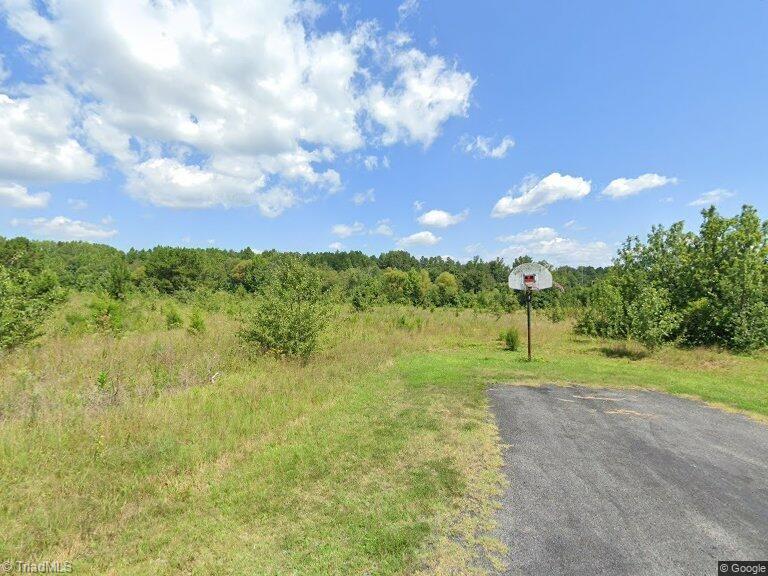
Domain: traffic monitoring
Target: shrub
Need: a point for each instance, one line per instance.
(291, 310)
(555, 313)
(25, 302)
(511, 339)
(409, 322)
(196, 323)
(604, 315)
(108, 315)
(118, 280)
(652, 321)
(173, 318)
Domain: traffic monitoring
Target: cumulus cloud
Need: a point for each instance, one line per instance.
(225, 103)
(441, 218)
(347, 230)
(63, 228)
(418, 205)
(17, 196)
(361, 198)
(170, 183)
(546, 244)
(424, 238)
(426, 93)
(622, 187)
(37, 145)
(383, 228)
(712, 198)
(484, 146)
(337, 246)
(536, 194)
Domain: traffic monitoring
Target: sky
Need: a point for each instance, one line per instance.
(550, 128)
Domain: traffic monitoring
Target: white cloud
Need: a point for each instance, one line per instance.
(426, 93)
(337, 246)
(63, 228)
(224, 102)
(167, 182)
(473, 249)
(712, 198)
(37, 145)
(546, 244)
(484, 147)
(17, 196)
(441, 218)
(424, 238)
(418, 205)
(361, 198)
(347, 230)
(622, 187)
(407, 9)
(372, 162)
(77, 203)
(534, 235)
(383, 228)
(535, 194)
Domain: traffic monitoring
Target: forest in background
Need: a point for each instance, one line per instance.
(705, 288)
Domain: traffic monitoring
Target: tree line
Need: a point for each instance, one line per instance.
(692, 288)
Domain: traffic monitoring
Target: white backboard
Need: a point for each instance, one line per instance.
(538, 277)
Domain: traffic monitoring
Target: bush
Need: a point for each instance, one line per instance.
(604, 315)
(118, 280)
(108, 315)
(511, 339)
(291, 310)
(709, 288)
(196, 323)
(409, 322)
(555, 313)
(25, 302)
(173, 318)
(652, 321)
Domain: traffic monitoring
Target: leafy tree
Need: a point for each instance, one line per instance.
(398, 259)
(291, 310)
(447, 289)
(25, 302)
(708, 288)
(118, 280)
(395, 285)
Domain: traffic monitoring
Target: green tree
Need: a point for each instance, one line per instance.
(394, 285)
(291, 310)
(447, 289)
(25, 302)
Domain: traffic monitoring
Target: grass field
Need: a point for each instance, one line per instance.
(158, 451)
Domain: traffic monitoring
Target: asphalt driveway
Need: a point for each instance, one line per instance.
(628, 482)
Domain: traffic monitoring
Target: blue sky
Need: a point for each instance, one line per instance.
(554, 128)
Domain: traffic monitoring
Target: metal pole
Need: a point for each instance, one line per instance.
(528, 294)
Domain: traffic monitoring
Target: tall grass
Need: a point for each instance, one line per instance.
(149, 450)
(156, 451)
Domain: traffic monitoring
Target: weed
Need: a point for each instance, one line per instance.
(511, 339)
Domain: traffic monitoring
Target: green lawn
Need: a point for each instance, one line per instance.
(379, 456)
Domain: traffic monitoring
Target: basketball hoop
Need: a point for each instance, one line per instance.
(529, 278)
(529, 281)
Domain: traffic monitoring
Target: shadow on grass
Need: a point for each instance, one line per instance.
(623, 351)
